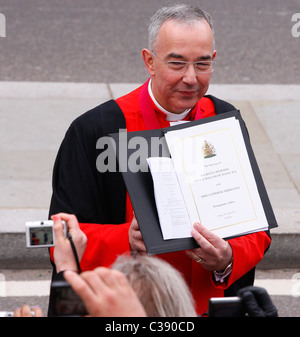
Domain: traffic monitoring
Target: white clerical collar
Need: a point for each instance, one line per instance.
(171, 117)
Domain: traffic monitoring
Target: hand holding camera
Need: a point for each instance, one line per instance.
(106, 293)
(64, 234)
(63, 254)
(69, 242)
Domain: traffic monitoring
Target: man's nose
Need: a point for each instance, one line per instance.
(190, 76)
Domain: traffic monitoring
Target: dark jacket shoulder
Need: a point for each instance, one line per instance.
(220, 105)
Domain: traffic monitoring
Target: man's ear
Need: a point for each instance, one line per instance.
(149, 61)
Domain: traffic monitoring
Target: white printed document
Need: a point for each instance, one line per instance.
(208, 179)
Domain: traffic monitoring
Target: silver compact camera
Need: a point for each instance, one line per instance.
(40, 233)
(6, 314)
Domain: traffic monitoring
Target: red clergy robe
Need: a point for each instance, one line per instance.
(108, 241)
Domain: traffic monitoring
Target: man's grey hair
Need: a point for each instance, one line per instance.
(186, 14)
(159, 286)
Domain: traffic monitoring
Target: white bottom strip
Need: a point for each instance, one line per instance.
(280, 287)
(24, 288)
(277, 287)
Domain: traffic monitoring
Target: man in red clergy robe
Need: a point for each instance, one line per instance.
(180, 63)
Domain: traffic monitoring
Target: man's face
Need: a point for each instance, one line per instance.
(174, 91)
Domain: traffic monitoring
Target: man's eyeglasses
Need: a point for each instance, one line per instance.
(201, 67)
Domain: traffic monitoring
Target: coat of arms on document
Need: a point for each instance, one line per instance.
(208, 150)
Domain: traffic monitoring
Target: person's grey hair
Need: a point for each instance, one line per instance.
(159, 286)
(182, 13)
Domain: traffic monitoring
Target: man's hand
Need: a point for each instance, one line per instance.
(214, 253)
(63, 254)
(136, 241)
(106, 293)
(25, 311)
(257, 302)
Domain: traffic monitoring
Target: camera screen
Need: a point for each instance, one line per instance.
(226, 307)
(41, 236)
(67, 302)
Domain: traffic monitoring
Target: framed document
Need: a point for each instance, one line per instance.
(202, 171)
